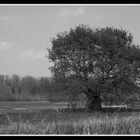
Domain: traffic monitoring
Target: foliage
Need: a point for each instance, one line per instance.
(15, 88)
(103, 59)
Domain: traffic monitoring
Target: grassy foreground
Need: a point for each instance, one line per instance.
(53, 122)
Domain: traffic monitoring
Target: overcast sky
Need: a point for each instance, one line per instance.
(25, 31)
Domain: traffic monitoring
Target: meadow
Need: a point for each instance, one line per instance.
(30, 106)
(71, 122)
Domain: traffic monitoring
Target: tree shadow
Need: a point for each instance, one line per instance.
(102, 110)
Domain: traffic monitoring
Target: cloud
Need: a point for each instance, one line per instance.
(68, 12)
(8, 18)
(48, 14)
(4, 46)
(32, 54)
(101, 17)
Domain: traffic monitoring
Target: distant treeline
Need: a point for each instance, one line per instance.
(29, 88)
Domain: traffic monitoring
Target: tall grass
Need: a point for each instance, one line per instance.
(72, 123)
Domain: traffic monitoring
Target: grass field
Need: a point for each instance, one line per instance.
(69, 121)
(29, 106)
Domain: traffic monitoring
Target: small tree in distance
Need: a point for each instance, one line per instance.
(101, 60)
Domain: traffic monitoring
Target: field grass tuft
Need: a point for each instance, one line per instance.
(52, 122)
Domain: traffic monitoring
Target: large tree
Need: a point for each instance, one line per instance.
(102, 60)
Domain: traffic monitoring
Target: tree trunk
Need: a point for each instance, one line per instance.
(93, 102)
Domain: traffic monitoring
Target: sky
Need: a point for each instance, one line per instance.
(26, 31)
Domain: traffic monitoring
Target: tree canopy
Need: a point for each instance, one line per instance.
(104, 60)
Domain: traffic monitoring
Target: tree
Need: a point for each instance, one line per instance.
(102, 60)
(29, 85)
(15, 84)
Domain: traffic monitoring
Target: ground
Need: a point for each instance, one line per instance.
(28, 106)
(45, 118)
